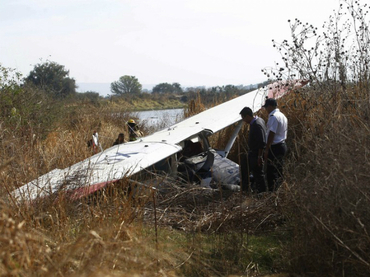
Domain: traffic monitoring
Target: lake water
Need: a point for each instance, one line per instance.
(160, 118)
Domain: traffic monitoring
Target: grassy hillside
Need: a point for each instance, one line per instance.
(146, 102)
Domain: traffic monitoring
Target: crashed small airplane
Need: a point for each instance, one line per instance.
(161, 151)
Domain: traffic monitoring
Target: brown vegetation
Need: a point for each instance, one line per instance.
(182, 230)
(317, 219)
(316, 224)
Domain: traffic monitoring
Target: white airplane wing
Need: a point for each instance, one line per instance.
(213, 119)
(126, 159)
(105, 167)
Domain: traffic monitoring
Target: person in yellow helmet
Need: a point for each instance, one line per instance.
(133, 130)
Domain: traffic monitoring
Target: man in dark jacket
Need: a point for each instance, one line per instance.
(252, 163)
(119, 140)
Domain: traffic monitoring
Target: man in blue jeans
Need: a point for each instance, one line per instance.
(253, 162)
(276, 149)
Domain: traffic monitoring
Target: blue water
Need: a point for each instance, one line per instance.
(160, 118)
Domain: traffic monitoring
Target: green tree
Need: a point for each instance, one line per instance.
(230, 89)
(52, 78)
(177, 88)
(126, 85)
(167, 88)
(163, 88)
(91, 96)
(10, 88)
(25, 109)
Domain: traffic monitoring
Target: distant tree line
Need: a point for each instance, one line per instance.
(53, 79)
(130, 86)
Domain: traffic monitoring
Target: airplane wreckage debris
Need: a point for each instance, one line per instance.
(181, 151)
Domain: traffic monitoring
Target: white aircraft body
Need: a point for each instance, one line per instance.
(124, 160)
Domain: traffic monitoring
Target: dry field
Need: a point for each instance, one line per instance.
(316, 224)
(317, 221)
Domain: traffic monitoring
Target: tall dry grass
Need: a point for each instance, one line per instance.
(178, 230)
(59, 237)
(56, 236)
(326, 190)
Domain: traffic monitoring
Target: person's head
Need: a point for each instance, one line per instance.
(121, 137)
(247, 114)
(270, 104)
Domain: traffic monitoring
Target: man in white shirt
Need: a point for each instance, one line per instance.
(276, 149)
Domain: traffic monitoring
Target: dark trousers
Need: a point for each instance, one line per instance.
(253, 176)
(275, 164)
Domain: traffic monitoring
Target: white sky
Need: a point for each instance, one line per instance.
(192, 42)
